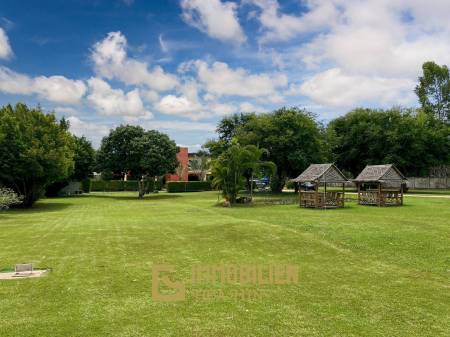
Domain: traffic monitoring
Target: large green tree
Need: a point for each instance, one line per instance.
(146, 154)
(433, 90)
(411, 139)
(292, 137)
(36, 150)
(84, 158)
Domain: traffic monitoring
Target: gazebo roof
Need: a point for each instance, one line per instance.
(321, 173)
(380, 173)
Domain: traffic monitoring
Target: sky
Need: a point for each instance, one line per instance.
(179, 66)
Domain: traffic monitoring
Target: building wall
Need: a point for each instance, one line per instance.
(183, 159)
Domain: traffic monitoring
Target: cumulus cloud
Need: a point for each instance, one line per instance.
(221, 80)
(57, 89)
(335, 88)
(92, 131)
(5, 48)
(180, 126)
(111, 61)
(115, 102)
(215, 18)
(277, 26)
(378, 43)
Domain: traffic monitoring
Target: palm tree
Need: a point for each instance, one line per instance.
(229, 168)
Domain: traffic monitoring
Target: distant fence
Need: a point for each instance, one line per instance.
(428, 182)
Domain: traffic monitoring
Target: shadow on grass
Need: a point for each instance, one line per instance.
(39, 207)
(135, 198)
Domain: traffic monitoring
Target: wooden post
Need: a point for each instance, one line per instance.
(325, 196)
(359, 193)
(401, 194)
(379, 194)
(299, 195)
(343, 194)
(316, 196)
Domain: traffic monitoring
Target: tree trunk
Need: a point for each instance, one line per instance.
(141, 185)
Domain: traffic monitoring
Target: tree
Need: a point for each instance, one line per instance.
(199, 164)
(433, 90)
(229, 168)
(35, 151)
(84, 158)
(292, 137)
(413, 140)
(144, 153)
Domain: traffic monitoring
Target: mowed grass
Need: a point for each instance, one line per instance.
(364, 271)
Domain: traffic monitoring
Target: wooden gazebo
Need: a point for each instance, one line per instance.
(380, 185)
(321, 174)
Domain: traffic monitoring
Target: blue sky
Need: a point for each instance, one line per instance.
(180, 65)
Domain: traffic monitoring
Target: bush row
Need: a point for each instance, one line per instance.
(113, 185)
(188, 186)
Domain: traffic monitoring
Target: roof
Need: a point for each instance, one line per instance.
(380, 173)
(321, 173)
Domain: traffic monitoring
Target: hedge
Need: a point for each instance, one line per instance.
(188, 186)
(113, 185)
(120, 185)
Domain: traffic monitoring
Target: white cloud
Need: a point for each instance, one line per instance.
(5, 48)
(216, 18)
(180, 126)
(92, 131)
(277, 26)
(250, 107)
(177, 105)
(380, 44)
(111, 61)
(57, 89)
(115, 102)
(220, 80)
(335, 88)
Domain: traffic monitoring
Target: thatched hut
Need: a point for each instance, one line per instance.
(380, 185)
(321, 175)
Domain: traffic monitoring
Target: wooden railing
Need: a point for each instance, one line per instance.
(313, 199)
(383, 198)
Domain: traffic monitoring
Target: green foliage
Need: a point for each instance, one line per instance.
(199, 164)
(433, 90)
(144, 153)
(86, 185)
(8, 198)
(292, 137)
(84, 159)
(188, 186)
(230, 167)
(36, 151)
(413, 140)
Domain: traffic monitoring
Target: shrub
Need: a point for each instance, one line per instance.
(8, 197)
(113, 185)
(188, 186)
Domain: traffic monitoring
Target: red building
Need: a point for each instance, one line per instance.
(182, 171)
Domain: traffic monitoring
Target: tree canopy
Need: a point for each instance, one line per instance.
(433, 90)
(292, 136)
(143, 153)
(411, 139)
(36, 151)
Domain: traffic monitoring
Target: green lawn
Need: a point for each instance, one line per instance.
(364, 271)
